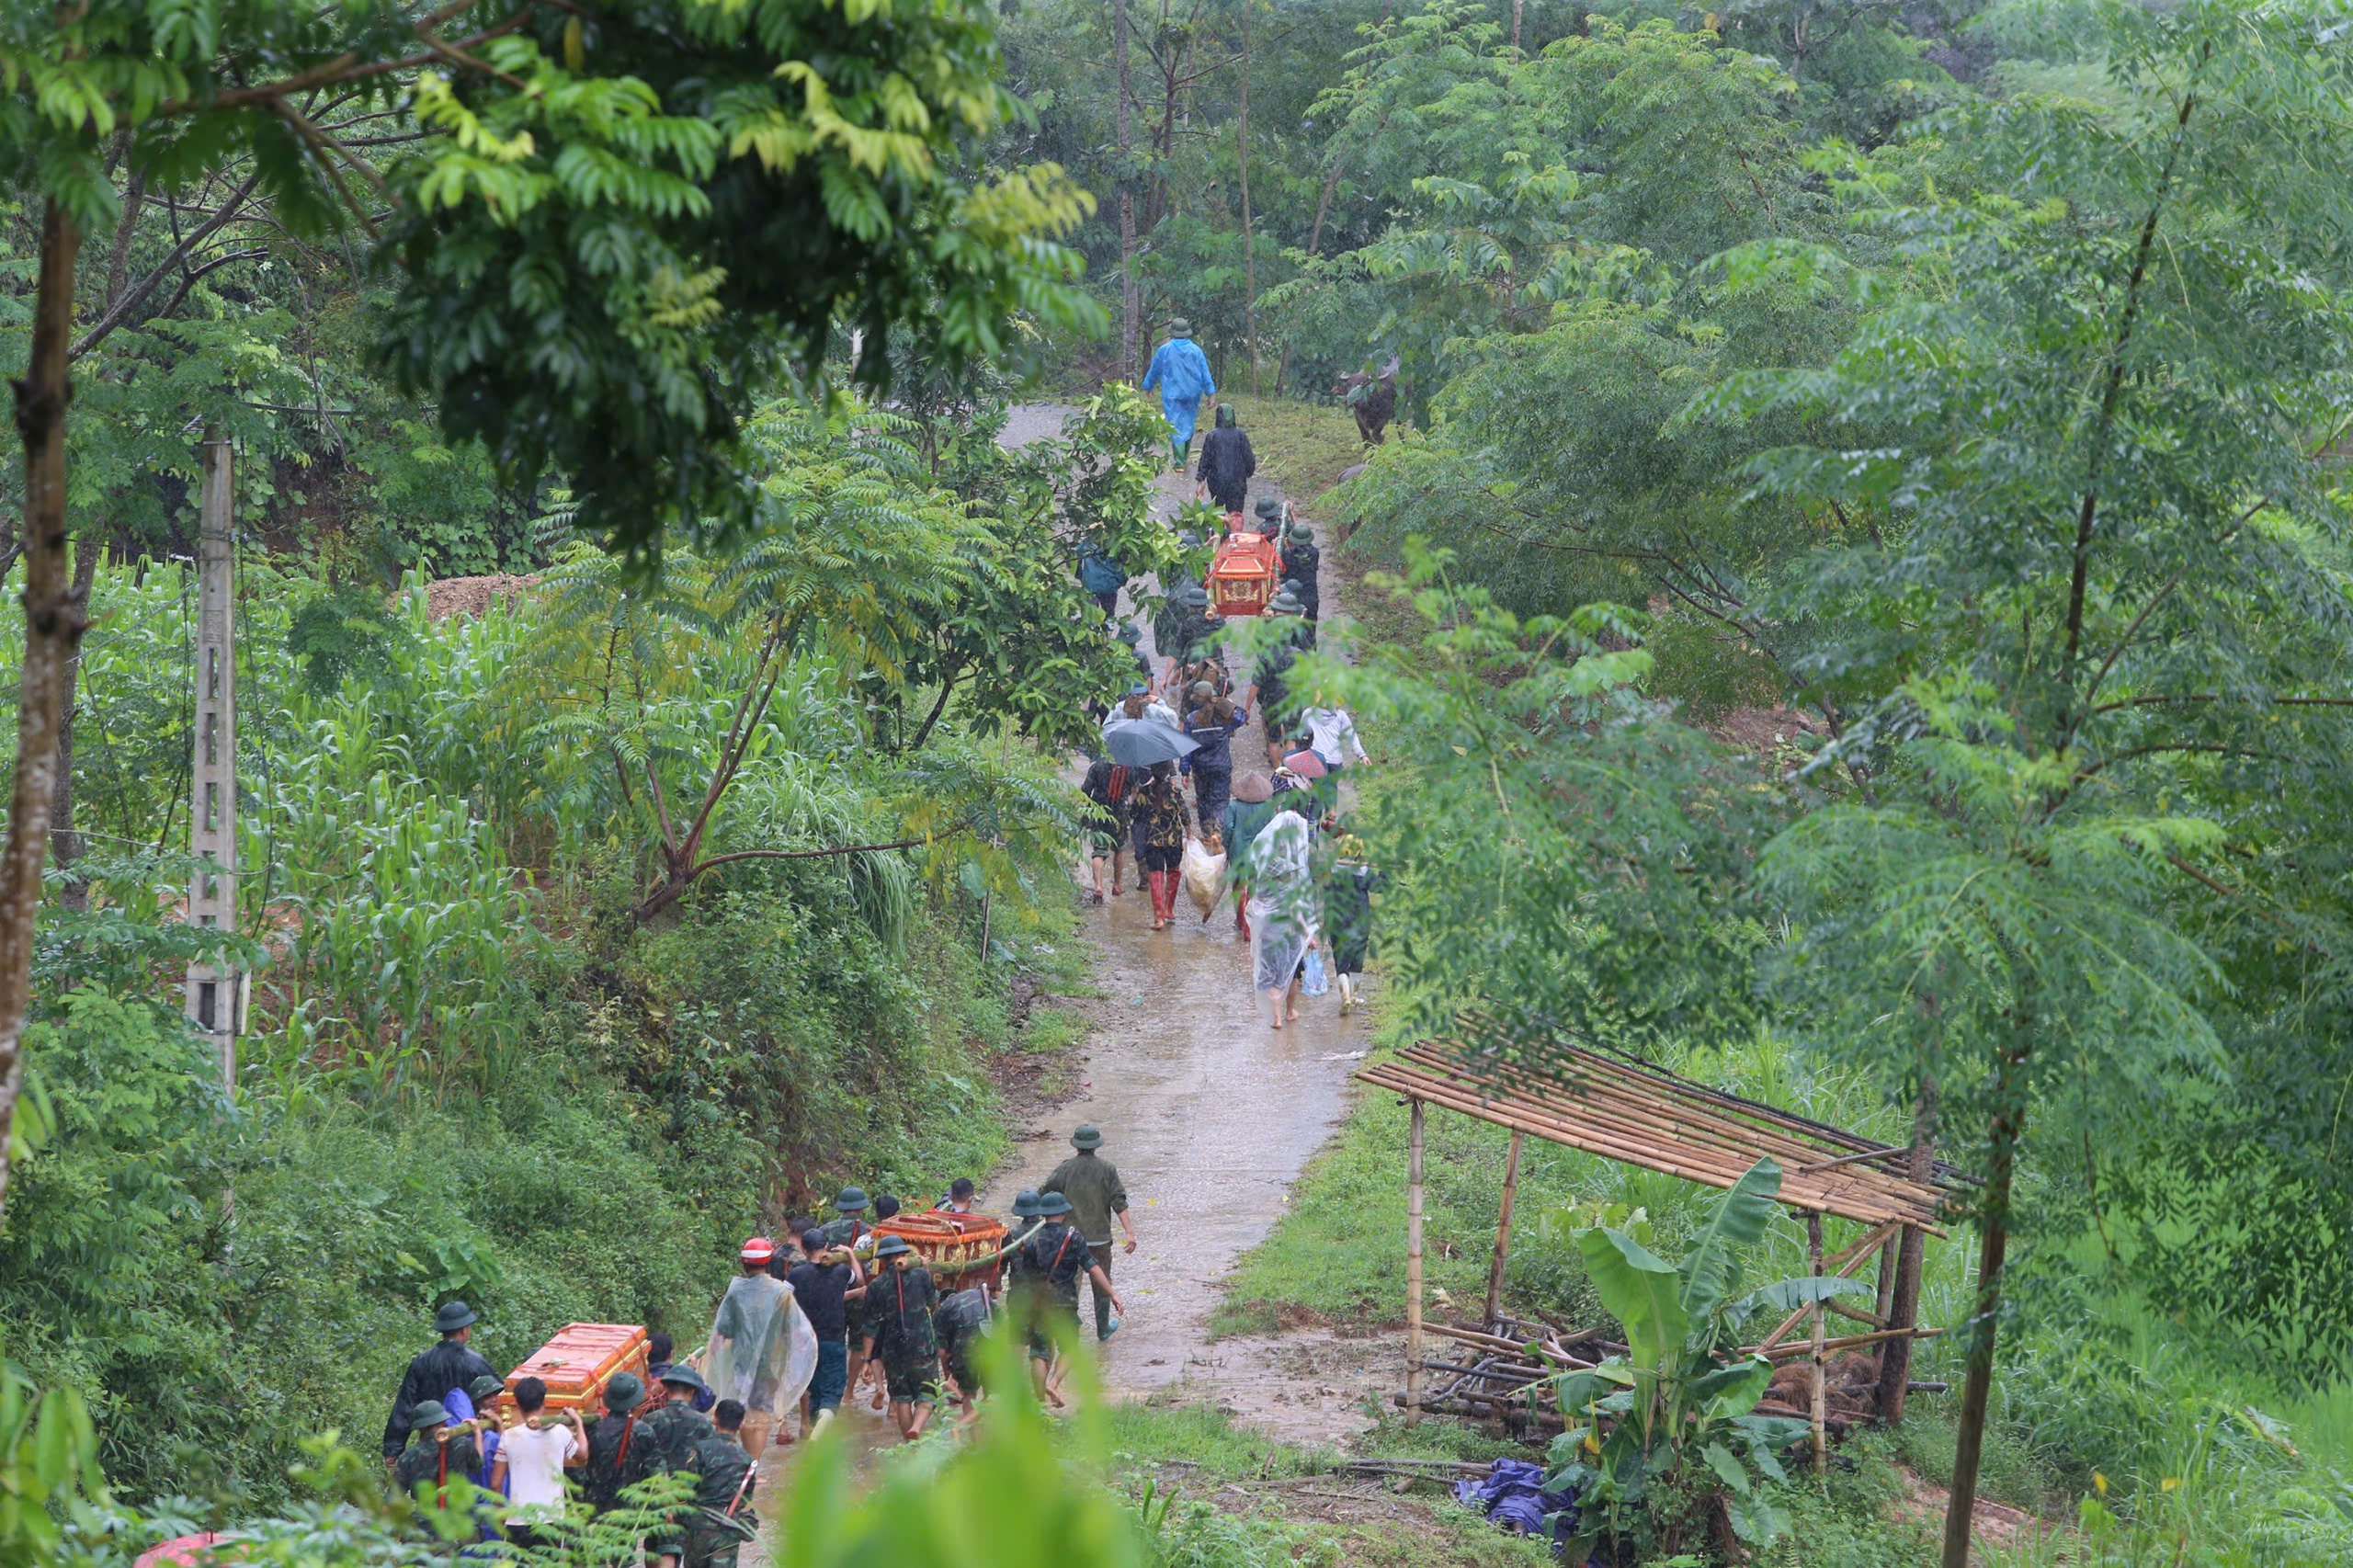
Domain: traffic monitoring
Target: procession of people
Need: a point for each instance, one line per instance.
(1274, 842)
(805, 1326)
(847, 1308)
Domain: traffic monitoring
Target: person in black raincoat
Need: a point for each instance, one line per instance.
(1348, 888)
(1212, 719)
(452, 1364)
(1226, 463)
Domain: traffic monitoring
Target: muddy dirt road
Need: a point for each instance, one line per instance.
(1209, 1114)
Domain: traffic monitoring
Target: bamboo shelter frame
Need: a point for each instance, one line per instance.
(1636, 1113)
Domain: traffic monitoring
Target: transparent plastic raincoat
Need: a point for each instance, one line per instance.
(762, 1350)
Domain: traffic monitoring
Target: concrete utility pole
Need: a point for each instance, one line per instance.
(216, 996)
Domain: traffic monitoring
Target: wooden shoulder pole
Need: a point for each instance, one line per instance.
(1413, 1265)
(1503, 1234)
(1821, 1374)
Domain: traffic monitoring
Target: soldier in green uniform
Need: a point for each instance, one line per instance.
(899, 1333)
(958, 1323)
(1054, 1259)
(1096, 1195)
(665, 1445)
(722, 1521)
(436, 1456)
(610, 1438)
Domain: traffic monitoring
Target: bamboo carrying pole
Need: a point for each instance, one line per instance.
(1413, 1265)
(1503, 1234)
(1821, 1374)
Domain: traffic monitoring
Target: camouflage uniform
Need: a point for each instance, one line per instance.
(422, 1460)
(664, 1444)
(958, 1324)
(722, 1521)
(611, 1440)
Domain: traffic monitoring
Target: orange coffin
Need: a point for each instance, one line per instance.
(1244, 574)
(577, 1362)
(949, 1244)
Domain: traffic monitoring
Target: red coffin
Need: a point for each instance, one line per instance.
(1244, 576)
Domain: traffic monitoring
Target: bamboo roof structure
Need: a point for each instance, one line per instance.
(1641, 1115)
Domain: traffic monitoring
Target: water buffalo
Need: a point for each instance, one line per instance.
(1373, 400)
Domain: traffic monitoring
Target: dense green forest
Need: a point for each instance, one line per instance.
(1857, 601)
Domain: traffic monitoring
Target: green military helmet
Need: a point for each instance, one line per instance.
(1025, 1203)
(1286, 602)
(427, 1413)
(892, 1247)
(1051, 1204)
(623, 1392)
(1270, 507)
(1131, 633)
(1194, 598)
(683, 1375)
(1179, 327)
(452, 1316)
(1202, 691)
(1087, 1136)
(490, 1385)
(1300, 532)
(850, 1200)
(1190, 539)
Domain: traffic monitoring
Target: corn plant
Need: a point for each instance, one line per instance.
(399, 923)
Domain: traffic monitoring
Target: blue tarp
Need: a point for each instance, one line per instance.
(1512, 1494)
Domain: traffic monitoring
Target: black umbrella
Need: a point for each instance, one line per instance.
(1140, 742)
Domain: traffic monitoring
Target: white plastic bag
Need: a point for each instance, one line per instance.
(1204, 875)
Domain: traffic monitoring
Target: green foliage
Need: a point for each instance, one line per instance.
(1679, 1400)
(1531, 783)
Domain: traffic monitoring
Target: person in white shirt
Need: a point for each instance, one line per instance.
(532, 1458)
(1332, 735)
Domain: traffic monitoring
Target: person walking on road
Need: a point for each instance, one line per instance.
(1282, 903)
(1211, 720)
(1109, 787)
(1246, 815)
(820, 1280)
(1301, 561)
(1162, 824)
(899, 1333)
(452, 1364)
(1091, 1185)
(1227, 462)
(1347, 916)
(1181, 371)
(1053, 1260)
(725, 1470)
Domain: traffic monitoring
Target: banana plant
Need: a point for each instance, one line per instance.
(1659, 1436)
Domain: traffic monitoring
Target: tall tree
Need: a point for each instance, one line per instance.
(621, 227)
(1130, 327)
(2111, 660)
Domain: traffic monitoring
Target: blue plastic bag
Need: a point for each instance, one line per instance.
(1312, 981)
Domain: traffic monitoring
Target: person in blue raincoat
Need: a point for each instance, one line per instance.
(1181, 371)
